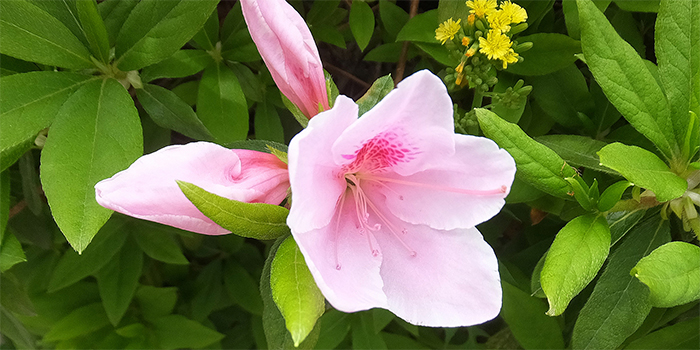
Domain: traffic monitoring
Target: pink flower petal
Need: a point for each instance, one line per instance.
(289, 51)
(148, 188)
(464, 190)
(415, 120)
(317, 186)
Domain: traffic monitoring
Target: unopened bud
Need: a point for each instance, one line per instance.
(480, 25)
(518, 28)
(523, 47)
(492, 81)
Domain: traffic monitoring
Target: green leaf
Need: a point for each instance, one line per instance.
(13, 329)
(29, 102)
(157, 29)
(95, 30)
(31, 34)
(294, 291)
(672, 274)
(550, 52)
(638, 5)
(336, 326)
(451, 9)
(380, 88)
(170, 112)
(268, 125)
(361, 23)
(621, 222)
(574, 259)
(363, 335)
(385, 53)
(208, 290)
(209, 34)
(187, 92)
(393, 18)
(81, 321)
(11, 65)
(11, 252)
(114, 13)
(177, 332)
(239, 47)
(420, 28)
(118, 279)
(677, 47)
(65, 11)
(182, 63)
(535, 285)
(571, 15)
(242, 288)
(252, 220)
(156, 302)
(618, 304)
(644, 169)
(682, 335)
(605, 114)
(537, 164)
(525, 316)
(563, 95)
(73, 267)
(577, 150)
(257, 145)
(437, 52)
(612, 195)
(158, 242)
(221, 104)
(97, 132)
(625, 79)
(4, 202)
(30, 183)
(276, 334)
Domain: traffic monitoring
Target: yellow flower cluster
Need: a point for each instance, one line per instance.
(447, 30)
(497, 45)
(482, 8)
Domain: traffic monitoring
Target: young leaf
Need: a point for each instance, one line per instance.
(574, 259)
(361, 23)
(156, 29)
(576, 150)
(618, 304)
(170, 112)
(644, 169)
(672, 274)
(29, 102)
(221, 104)
(525, 316)
(252, 220)
(380, 88)
(550, 52)
(294, 291)
(97, 133)
(182, 63)
(677, 44)
(114, 13)
(625, 79)
(81, 321)
(537, 165)
(31, 34)
(178, 332)
(118, 280)
(95, 30)
(612, 195)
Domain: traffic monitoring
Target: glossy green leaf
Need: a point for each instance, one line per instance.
(361, 23)
(393, 18)
(96, 134)
(550, 52)
(118, 279)
(11, 252)
(73, 267)
(605, 114)
(612, 195)
(209, 34)
(537, 164)
(30, 183)
(66, 11)
(625, 79)
(380, 88)
(619, 302)
(268, 125)
(363, 335)
(420, 28)
(81, 321)
(621, 222)
(535, 285)
(208, 290)
(638, 5)
(294, 291)
(170, 112)
(577, 150)
(574, 259)
(677, 47)
(114, 13)
(643, 169)
(451, 9)
(525, 316)
(571, 15)
(563, 95)
(182, 63)
(672, 273)
(681, 335)
(252, 220)
(29, 102)
(335, 327)
(158, 242)
(242, 288)
(251, 84)
(156, 29)
(156, 302)
(11, 65)
(31, 34)
(221, 104)
(178, 332)
(95, 30)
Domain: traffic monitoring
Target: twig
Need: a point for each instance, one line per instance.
(401, 66)
(334, 69)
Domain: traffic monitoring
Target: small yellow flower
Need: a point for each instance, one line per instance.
(471, 52)
(466, 41)
(514, 12)
(482, 8)
(447, 30)
(500, 21)
(510, 57)
(471, 19)
(496, 45)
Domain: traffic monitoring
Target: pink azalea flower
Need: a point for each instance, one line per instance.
(148, 189)
(289, 51)
(384, 207)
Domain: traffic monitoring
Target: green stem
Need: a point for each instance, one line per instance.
(478, 98)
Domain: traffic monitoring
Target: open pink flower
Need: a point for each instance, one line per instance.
(384, 207)
(148, 189)
(289, 51)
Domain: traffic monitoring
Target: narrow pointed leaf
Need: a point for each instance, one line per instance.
(81, 321)
(221, 104)
(361, 23)
(612, 195)
(95, 30)
(171, 112)
(242, 288)
(118, 280)
(380, 88)
(178, 332)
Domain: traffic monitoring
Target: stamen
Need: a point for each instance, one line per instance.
(501, 190)
(339, 208)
